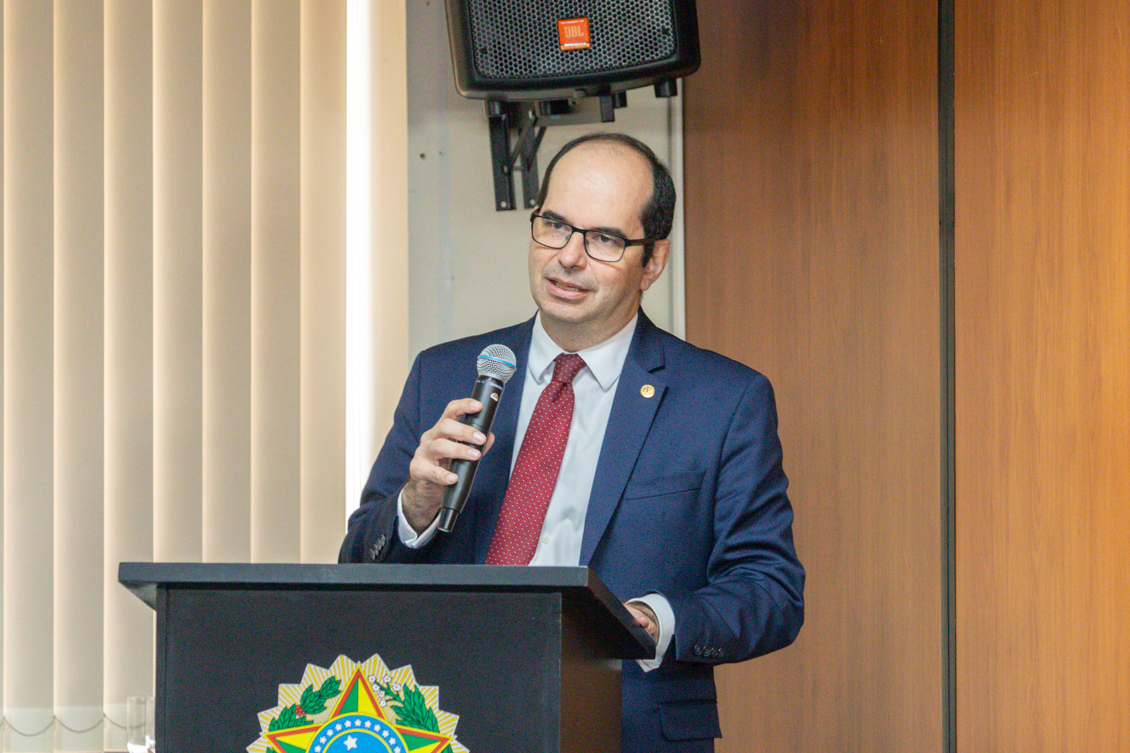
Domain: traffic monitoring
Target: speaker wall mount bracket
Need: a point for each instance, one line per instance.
(516, 131)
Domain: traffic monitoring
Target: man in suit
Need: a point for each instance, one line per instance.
(670, 484)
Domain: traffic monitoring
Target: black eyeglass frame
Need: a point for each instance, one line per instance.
(585, 238)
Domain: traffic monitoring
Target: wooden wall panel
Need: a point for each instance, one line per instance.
(812, 255)
(1043, 375)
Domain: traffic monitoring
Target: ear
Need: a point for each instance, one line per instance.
(656, 264)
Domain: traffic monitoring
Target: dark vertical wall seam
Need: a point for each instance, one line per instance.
(946, 199)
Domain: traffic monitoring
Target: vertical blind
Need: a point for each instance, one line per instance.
(177, 322)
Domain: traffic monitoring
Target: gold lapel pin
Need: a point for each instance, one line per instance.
(647, 390)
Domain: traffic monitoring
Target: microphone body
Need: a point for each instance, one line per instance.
(496, 366)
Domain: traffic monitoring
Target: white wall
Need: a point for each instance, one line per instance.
(467, 270)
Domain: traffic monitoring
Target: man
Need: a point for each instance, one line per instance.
(670, 483)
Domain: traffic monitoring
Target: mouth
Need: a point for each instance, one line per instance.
(565, 289)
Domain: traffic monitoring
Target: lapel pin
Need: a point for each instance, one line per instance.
(647, 390)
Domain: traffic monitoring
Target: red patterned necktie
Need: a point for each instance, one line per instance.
(535, 471)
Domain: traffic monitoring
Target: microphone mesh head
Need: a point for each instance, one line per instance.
(497, 361)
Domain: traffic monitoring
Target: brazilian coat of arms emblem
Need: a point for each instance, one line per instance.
(357, 708)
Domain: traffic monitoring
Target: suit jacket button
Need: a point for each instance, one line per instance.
(698, 649)
(377, 548)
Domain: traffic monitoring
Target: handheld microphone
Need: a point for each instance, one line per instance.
(496, 365)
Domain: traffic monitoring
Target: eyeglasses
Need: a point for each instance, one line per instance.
(600, 245)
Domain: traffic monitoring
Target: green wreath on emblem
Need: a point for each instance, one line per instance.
(312, 702)
(411, 709)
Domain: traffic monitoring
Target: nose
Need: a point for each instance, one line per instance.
(573, 254)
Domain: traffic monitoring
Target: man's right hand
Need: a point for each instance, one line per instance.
(429, 472)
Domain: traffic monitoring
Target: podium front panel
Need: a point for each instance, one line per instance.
(505, 662)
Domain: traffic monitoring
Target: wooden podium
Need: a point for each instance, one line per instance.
(527, 657)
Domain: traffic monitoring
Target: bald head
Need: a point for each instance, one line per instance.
(657, 212)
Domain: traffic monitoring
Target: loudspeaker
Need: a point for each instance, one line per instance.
(563, 49)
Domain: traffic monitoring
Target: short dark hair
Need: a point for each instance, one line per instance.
(659, 210)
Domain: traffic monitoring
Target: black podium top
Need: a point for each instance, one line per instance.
(580, 588)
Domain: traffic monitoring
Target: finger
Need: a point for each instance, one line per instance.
(458, 408)
(422, 470)
(449, 428)
(641, 619)
(446, 449)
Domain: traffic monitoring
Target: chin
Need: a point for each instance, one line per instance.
(562, 313)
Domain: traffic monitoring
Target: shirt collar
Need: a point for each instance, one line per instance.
(605, 360)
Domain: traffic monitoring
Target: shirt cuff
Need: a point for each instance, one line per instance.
(666, 617)
(408, 535)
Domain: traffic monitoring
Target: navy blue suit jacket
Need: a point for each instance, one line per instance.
(688, 501)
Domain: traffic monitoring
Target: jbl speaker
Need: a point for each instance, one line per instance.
(560, 49)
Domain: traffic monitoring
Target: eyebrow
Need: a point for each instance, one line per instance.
(606, 230)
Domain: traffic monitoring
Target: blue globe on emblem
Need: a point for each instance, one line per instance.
(357, 733)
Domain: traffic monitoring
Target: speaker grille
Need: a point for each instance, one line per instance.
(517, 39)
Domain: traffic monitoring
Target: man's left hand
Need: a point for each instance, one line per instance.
(645, 617)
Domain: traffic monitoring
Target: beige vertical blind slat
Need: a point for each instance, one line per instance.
(323, 36)
(3, 352)
(388, 32)
(28, 374)
(128, 647)
(78, 374)
(177, 281)
(227, 281)
(275, 286)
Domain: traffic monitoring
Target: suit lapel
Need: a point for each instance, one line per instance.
(633, 411)
(493, 473)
